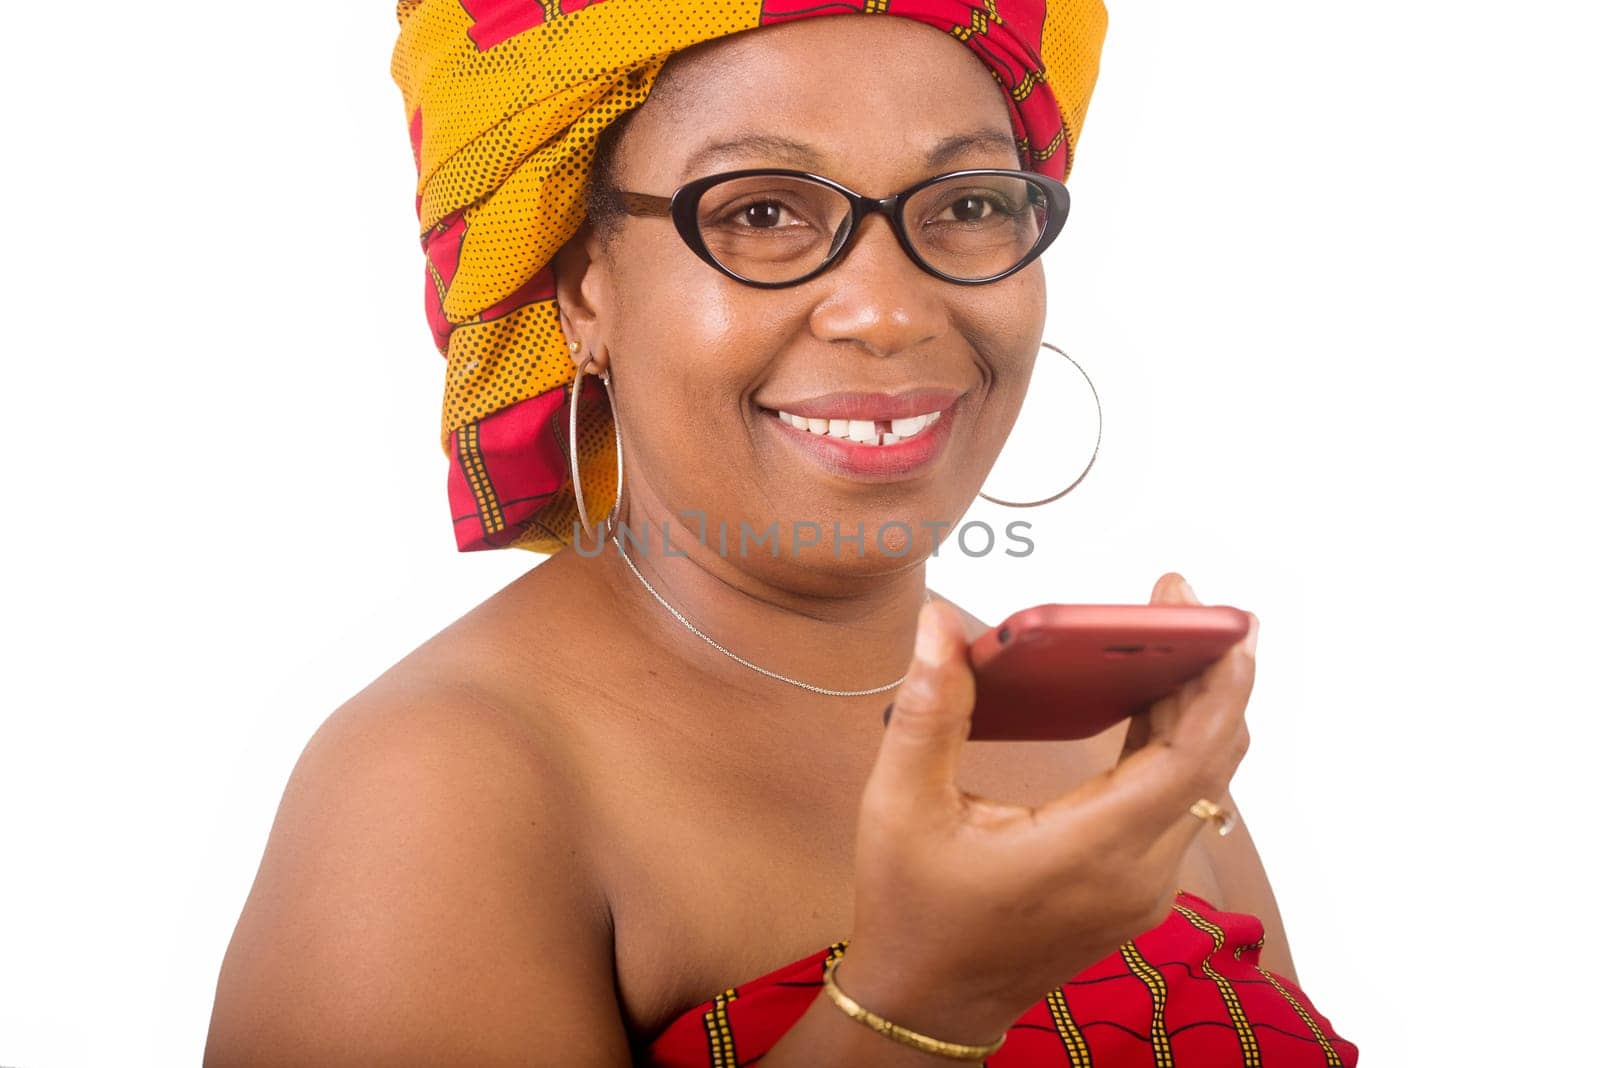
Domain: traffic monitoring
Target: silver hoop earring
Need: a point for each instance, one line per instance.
(1100, 418)
(572, 448)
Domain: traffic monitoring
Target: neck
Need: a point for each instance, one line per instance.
(814, 624)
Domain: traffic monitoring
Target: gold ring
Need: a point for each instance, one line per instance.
(1210, 810)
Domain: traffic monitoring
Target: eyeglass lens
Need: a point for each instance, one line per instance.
(774, 228)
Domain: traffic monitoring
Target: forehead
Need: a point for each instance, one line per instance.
(855, 97)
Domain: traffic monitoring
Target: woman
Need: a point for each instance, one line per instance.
(646, 802)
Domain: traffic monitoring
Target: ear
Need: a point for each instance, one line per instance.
(582, 296)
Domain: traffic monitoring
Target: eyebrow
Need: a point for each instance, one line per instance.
(800, 154)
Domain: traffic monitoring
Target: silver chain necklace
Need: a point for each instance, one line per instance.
(697, 632)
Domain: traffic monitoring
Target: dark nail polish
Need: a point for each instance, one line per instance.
(886, 713)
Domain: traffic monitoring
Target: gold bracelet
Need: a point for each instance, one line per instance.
(903, 1035)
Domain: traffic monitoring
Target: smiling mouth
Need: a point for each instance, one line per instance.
(870, 437)
(876, 432)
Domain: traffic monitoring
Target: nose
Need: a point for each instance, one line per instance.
(877, 297)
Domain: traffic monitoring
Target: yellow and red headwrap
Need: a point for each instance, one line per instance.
(505, 99)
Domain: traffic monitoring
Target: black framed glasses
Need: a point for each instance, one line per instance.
(770, 227)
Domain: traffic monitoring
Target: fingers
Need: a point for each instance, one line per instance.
(1138, 735)
(1176, 841)
(932, 714)
(1185, 747)
(1168, 850)
(1199, 732)
(1136, 802)
(1170, 588)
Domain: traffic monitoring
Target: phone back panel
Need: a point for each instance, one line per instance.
(1064, 671)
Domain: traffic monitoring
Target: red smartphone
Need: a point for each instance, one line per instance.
(1063, 671)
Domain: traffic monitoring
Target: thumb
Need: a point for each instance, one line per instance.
(930, 717)
(1173, 588)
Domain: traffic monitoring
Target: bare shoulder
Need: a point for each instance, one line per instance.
(423, 897)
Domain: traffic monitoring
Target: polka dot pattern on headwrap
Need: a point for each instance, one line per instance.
(505, 100)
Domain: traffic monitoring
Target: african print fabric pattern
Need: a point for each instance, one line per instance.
(504, 101)
(1189, 993)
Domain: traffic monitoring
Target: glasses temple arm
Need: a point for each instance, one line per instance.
(639, 203)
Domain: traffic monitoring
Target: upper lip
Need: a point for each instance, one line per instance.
(851, 404)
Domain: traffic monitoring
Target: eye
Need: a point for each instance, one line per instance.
(765, 213)
(979, 206)
(769, 205)
(971, 208)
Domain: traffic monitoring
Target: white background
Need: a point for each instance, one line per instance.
(1332, 268)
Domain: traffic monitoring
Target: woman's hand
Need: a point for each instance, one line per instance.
(968, 910)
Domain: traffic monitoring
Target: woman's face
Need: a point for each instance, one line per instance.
(702, 364)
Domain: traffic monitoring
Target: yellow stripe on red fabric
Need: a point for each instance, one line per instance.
(719, 1036)
(1248, 1045)
(1334, 1060)
(471, 459)
(1160, 1040)
(1050, 149)
(979, 23)
(1072, 1039)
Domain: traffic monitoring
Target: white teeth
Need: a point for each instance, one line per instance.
(863, 431)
